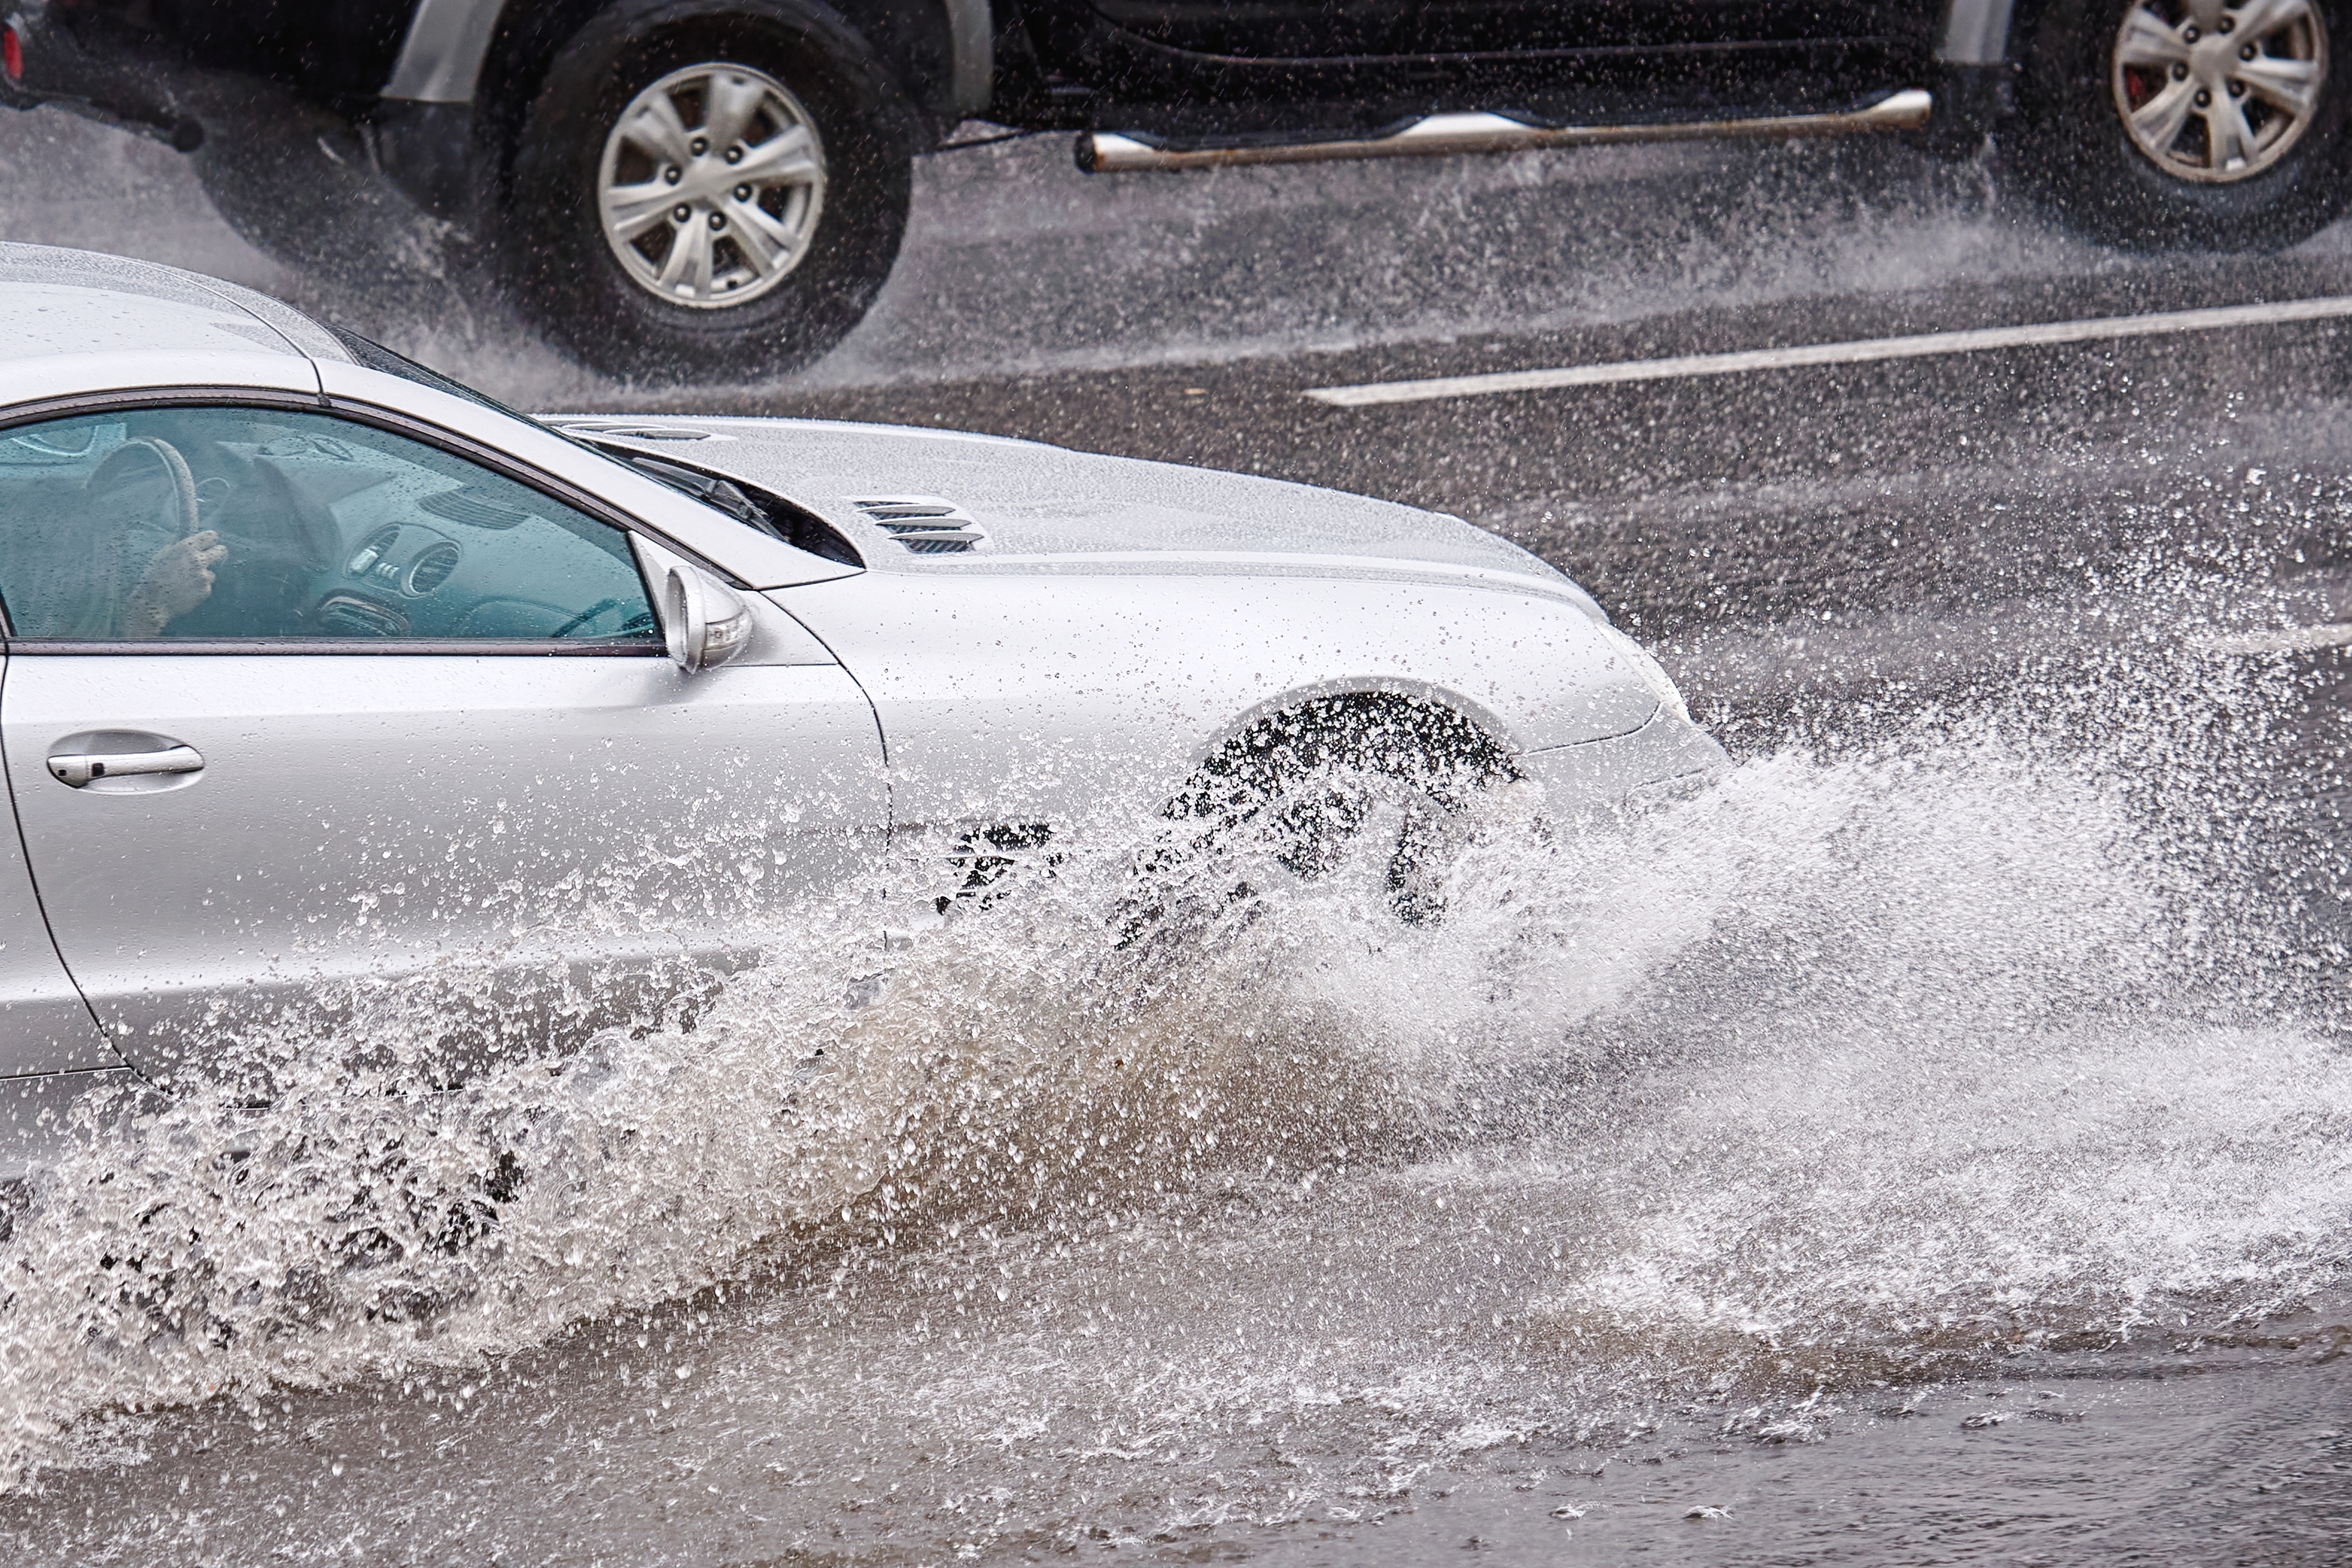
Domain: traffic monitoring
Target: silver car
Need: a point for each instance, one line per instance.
(323, 672)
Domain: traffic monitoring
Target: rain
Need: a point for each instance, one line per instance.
(1927, 1139)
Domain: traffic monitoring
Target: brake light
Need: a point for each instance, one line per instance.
(11, 54)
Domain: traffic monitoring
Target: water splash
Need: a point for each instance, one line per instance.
(1919, 1039)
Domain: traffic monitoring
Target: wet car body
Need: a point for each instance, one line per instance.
(221, 819)
(1195, 574)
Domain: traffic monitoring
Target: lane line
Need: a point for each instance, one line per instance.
(2301, 640)
(1865, 351)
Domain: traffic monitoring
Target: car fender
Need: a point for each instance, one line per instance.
(943, 49)
(1043, 696)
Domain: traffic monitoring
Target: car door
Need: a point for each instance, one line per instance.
(313, 723)
(44, 1026)
(1274, 29)
(1671, 36)
(1388, 56)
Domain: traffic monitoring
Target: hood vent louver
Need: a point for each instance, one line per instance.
(926, 525)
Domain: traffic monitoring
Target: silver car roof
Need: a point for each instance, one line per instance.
(81, 324)
(59, 301)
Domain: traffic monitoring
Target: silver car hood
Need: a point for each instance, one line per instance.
(1040, 508)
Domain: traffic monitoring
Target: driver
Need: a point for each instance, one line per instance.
(176, 579)
(135, 571)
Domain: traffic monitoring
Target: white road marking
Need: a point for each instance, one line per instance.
(2296, 640)
(2100, 329)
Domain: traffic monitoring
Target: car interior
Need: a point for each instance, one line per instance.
(326, 529)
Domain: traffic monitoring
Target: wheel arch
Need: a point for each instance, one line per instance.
(494, 54)
(2021, 24)
(1365, 696)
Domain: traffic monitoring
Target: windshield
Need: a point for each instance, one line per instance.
(771, 514)
(376, 356)
(747, 504)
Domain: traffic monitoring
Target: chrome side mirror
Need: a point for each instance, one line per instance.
(704, 621)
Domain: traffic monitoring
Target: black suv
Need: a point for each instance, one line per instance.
(702, 188)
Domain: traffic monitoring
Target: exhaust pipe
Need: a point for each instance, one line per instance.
(1106, 152)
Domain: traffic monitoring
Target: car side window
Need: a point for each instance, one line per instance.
(212, 523)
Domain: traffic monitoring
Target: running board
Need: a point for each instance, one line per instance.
(1105, 152)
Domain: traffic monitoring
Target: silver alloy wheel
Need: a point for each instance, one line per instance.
(711, 185)
(2216, 93)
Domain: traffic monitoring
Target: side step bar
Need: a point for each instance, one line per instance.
(1105, 152)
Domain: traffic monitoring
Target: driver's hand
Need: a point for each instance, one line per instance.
(178, 578)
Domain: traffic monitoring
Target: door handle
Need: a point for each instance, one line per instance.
(81, 768)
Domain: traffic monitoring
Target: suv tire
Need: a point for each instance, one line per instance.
(2126, 103)
(815, 134)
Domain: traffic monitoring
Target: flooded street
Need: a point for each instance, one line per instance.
(1931, 1144)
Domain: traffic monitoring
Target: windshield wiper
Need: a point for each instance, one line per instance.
(709, 489)
(771, 514)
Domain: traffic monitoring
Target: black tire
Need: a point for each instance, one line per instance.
(2075, 153)
(568, 281)
(1302, 792)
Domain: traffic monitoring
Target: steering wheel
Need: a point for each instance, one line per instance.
(176, 468)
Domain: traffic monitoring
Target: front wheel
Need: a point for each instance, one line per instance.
(2175, 124)
(1369, 797)
(708, 190)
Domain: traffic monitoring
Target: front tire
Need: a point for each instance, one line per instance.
(1374, 782)
(708, 189)
(2159, 124)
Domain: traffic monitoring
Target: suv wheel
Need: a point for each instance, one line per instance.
(2190, 122)
(705, 191)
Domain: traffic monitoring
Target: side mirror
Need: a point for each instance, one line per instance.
(704, 621)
